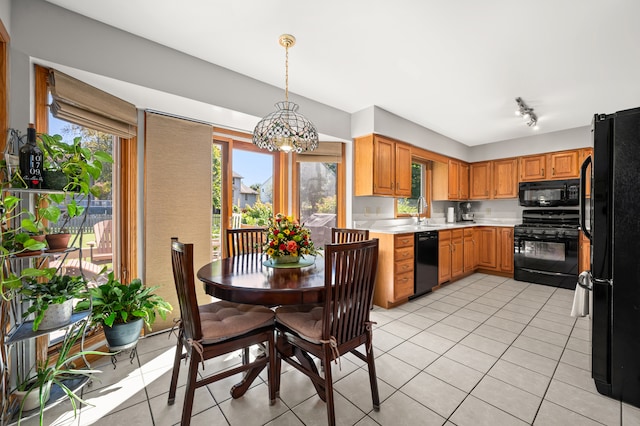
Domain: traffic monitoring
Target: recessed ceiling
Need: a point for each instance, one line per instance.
(454, 67)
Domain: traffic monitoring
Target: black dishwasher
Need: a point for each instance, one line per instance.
(426, 262)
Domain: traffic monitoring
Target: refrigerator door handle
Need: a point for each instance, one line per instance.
(583, 196)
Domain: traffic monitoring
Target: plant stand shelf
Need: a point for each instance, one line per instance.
(25, 330)
(132, 348)
(57, 396)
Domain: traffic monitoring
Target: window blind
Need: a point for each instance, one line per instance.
(177, 200)
(85, 105)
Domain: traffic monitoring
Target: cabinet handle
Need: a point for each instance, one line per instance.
(553, 171)
(495, 192)
(542, 170)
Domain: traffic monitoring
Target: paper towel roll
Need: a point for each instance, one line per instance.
(450, 215)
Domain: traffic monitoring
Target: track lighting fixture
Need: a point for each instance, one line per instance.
(530, 118)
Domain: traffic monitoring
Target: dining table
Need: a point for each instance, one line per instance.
(255, 279)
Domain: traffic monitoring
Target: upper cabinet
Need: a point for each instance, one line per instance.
(505, 178)
(450, 180)
(382, 166)
(554, 165)
(480, 180)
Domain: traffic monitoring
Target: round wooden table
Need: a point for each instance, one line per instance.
(245, 279)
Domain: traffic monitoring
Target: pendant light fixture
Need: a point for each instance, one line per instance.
(286, 129)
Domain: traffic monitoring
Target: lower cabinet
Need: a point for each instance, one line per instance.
(584, 259)
(451, 253)
(495, 249)
(395, 277)
(470, 250)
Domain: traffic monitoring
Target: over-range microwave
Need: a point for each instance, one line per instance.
(550, 193)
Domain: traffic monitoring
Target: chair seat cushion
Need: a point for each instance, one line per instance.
(224, 320)
(306, 320)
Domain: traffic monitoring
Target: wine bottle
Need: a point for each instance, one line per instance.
(31, 161)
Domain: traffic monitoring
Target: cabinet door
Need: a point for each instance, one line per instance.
(470, 254)
(487, 248)
(532, 167)
(506, 249)
(463, 177)
(585, 254)
(444, 256)
(457, 254)
(564, 164)
(505, 178)
(454, 180)
(383, 166)
(476, 245)
(584, 153)
(403, 170)
(480, 180)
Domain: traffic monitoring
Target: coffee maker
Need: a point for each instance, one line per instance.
(464, 208)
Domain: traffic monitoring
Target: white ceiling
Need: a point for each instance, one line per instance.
(453, 66)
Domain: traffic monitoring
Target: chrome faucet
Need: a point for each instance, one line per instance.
(422, 205)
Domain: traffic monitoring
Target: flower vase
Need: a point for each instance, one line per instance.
(286, 259)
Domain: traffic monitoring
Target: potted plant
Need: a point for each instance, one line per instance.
(52, 301)
(79, 168)
(122, 309)
(60, 372)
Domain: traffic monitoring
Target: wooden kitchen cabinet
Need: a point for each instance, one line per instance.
(457, 253)
(382, 166)
(584, 154)
(549, 166)
(506, 249)
(395, 277)
(533, 167)
(584, 262)
(564, 164)
(450, 255)
(470, 250)
(450, 180)
(495, 179)
(480, 180)
(444, 256)
(505, 178)
(488, 247)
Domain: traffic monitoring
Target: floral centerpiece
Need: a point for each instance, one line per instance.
(287, 240)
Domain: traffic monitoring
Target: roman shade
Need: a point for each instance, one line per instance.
(327, 152)
(85, 105)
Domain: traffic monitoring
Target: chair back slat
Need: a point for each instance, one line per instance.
(244, 240)
(346, 235)
(350, 272)
(183, 276)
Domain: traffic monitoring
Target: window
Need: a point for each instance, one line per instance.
(319, 191)
(420, 178)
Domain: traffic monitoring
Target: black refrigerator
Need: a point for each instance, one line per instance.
(614, 231)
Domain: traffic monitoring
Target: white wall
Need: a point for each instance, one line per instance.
(44, 31)
(5, 14)
(579, 137)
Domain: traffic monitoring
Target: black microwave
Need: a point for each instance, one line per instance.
(550, 193)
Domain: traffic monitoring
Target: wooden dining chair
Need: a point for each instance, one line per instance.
(346, 235)
(338, 326)
(244, 240)
(215, 329)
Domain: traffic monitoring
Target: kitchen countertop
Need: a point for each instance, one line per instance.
(412, 228)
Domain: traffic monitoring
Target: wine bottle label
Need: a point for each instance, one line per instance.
(31, 166)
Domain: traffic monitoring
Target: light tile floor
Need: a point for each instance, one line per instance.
(484, 350)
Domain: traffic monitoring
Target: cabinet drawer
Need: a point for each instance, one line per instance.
(404, 266)
(404, 240)
(468, 232)
(444, 235)
(456, 233)
(403, 286)
(405, 253)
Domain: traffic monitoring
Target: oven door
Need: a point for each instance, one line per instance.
(550, 260)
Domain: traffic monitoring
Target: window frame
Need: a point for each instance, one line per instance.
(427, 182)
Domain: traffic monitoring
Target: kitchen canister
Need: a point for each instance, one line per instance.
(451, 215)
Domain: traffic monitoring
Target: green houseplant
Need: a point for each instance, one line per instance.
(57, 371)
(115, 304)
(51, 302)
